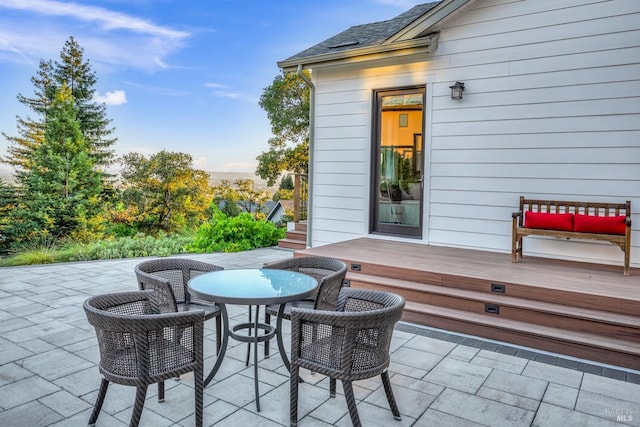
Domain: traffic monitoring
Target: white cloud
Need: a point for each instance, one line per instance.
(111, 38)
(221, 91)
(108, 19)
(115, 97)
(165, 91)
(225, 94)
(200, 163)
(214, 85)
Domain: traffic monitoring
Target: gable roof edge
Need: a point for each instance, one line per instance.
(426, 44)
(420, 36)
(430, 20)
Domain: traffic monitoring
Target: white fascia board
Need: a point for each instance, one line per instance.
(426, 45)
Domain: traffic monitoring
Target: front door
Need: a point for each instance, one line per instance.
(398, 162)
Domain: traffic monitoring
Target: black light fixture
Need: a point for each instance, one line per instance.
(456, 90)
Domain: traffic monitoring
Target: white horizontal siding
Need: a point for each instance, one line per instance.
(520, 16)
(568, 189)
(336, 180)
(554, 169)
(535, 141)
(589, 157)
(345, 203)
(525, 110)
(488, 97)
(558, 39)
(540, 125)
(473, 200)
(551, 110)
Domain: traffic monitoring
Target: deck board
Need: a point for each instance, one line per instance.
(590, 311)
(596, 279)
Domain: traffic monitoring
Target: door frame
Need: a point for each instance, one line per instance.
(375, 227)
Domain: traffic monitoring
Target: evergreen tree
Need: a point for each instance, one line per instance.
(61, 191)
(8, 201)
(286, 183)
(76, 73)
(31, 131)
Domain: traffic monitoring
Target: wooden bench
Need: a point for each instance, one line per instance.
(610, 222)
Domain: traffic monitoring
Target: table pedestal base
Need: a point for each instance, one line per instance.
(252, 337)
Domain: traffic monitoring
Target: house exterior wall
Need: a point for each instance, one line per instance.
(551, 110)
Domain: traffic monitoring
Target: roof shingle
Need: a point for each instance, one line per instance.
(366, 35)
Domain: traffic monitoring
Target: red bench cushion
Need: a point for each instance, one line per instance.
(549, 221)
(600, 224)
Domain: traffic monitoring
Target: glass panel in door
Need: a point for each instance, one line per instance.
(398, 162)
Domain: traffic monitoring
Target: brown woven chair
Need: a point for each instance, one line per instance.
(169, 277)
(139, 347)
(349, 344)
(330, 274)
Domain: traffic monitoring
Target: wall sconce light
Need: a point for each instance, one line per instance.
(456, 90)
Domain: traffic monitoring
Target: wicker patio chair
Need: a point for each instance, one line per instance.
(330, 274)
(139, 347)
(169, 277)
(349, 344)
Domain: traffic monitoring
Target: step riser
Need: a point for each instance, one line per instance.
(289, 244)
(575, 299)
(528, 340)
(295, 239)
(524, 339)
(570, 308)
(294, 235)
(396, 273)
(595, 326)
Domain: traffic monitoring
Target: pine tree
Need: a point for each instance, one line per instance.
(62, 188)
(31, 131)
(76, 73)
(8, 201)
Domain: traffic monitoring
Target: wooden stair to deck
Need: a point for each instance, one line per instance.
(576, 309)
(296, 238)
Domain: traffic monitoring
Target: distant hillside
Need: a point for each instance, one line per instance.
(216, 178)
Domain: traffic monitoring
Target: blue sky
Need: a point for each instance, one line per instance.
(180, 75)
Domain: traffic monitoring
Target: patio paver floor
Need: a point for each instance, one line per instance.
(49, 377)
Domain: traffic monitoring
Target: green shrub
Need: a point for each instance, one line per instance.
(132, 247)
(235, 234)
(42, 249)
(50, 250)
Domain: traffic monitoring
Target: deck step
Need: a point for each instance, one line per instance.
(295, 239)
(583, 310)
(297, 235)
(594, 347)
(615, 303)
(420, 292)
(291, 244)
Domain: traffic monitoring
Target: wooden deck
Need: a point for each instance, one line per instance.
(590, 311)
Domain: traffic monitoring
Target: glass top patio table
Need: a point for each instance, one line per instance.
(252, 286)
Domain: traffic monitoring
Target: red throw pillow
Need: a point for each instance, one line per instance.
(549, 221)
(600, 224)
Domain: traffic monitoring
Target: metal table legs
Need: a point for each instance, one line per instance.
(254, 337)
